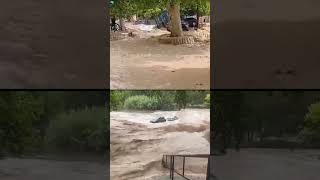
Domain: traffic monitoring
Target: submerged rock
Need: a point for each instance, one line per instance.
(173, 119)
(159, 120)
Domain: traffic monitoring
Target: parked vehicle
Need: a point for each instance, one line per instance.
(191, 21)
(186, 23)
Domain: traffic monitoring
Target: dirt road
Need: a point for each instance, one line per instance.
(144, 63)
(137, 145)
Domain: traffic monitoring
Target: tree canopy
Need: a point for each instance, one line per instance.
(257, 116)
(27, 115)
(157, 100)
(151, 8)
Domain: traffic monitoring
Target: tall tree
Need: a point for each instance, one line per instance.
(126, 8)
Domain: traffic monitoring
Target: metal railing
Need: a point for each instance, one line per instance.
(168, 161)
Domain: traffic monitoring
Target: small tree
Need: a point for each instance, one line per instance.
(311, 128)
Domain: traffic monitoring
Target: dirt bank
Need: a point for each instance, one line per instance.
(137, 145)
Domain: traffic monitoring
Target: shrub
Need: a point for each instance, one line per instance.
(167, 101)
(79, 130)
(19, 112)
(116, 100)
(311, 128)
(141, 102)
(207, 101)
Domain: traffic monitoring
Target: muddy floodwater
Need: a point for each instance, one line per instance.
(266, 164)
(43, 169)
(144, 63)
(137, 145)
(45, 45)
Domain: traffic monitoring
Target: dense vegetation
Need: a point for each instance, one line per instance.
(158, 100)
(266, 119)
(38, 121)
(151, 8)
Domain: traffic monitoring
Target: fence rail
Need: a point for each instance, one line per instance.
(168, 161)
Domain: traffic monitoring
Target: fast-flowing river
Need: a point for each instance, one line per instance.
(137, 145)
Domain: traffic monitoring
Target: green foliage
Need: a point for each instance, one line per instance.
(256, 116)
(20, 111)
(123, 8)
(117, 99)
(150, 13)
(193, 7)
(311, 128)
(156, 99)
(151, 8)
(166, 100)
(181, 99)
(79, 130)
(207, 101)
(25, 117)
(141, 102)
(196, 97)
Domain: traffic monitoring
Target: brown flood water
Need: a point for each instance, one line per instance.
(45, 44)
(146, 64)
(137, 145)
(267, 44)
(275, 54)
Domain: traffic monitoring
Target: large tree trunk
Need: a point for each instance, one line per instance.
(122, 25)
(175, 21)
(198, 18)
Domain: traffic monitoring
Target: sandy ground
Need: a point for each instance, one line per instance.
(144, 63)
(137, 145)
(256, 47)
(40, 169)
(266, 164)
(44, 44)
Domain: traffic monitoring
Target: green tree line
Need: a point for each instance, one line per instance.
(158, 100)
(250, 117)
(63, 120)
(151, 8)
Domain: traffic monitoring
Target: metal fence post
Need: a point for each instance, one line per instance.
(173, 168)
(166, 161)
(171, 173)
(183, 165)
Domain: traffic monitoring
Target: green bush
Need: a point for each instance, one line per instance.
(207, 101)
(117, 99)
(311, 128)
(19, 112)
(141, 102)
(79, 130)
(167, 101)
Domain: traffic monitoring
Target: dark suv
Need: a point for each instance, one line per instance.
(192, 22)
